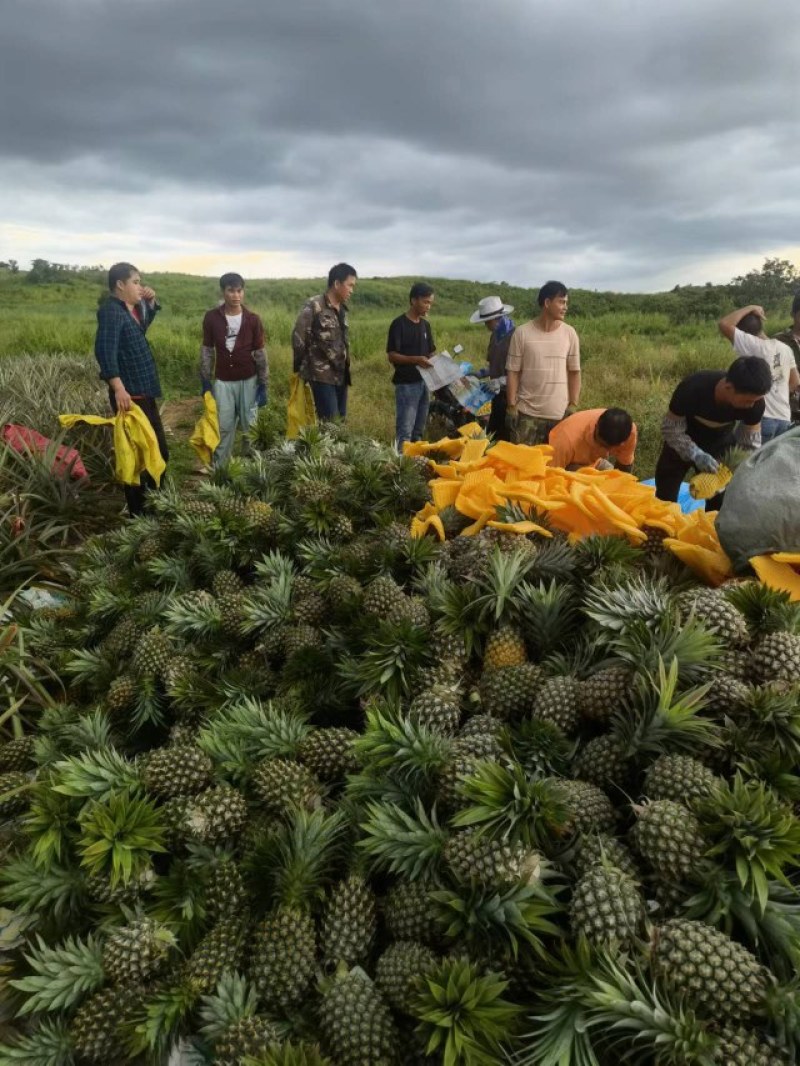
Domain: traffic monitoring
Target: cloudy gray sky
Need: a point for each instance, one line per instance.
(628, 144)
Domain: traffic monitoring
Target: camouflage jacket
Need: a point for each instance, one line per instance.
(320, 343)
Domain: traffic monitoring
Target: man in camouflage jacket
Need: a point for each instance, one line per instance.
(320, 343)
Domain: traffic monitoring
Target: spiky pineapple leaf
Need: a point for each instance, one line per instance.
(119, 836)
(61, 975)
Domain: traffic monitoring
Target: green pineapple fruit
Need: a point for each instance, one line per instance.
(298, 638)
(152, 654)
(243, 1038)
(602, 761)
(589, 809)
(348, 922)
(381, 596)
(122, 693)
(746, 1047)
(356, 1024)
(9, 783)
(134, 953)
(596, 848)
(226, 583)
(178, 770)
(17, 754)
(408, 912)
(680, 778)
(607, 907)
(509, 691)
(225, 892)
(718, 615)
(216, 815)
(328, 752)
(556, 701)
(713, 974)
(474, 857)
(603, 693)
(310, 609)
(398, 970)
(504, 647)
(437, 709)
(343, 593)
(776, 657)
(97, 1028)
(283, 785)
(283, 956)
(669, 838)
(219, 951)
(231, 613)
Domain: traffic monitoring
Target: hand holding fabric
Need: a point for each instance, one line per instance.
(205, 386)
(261, 395)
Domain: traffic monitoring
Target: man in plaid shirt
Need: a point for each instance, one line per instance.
(126, 361)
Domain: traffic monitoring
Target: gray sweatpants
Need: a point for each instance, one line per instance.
(236, 402)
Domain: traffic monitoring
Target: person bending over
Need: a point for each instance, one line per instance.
(604, 437)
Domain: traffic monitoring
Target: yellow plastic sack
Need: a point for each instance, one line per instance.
(136, 448)
(205, 436)
(300, 411)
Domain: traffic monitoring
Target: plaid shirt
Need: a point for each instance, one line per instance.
(121, 348)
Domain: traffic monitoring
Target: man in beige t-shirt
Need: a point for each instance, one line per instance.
(543, 370)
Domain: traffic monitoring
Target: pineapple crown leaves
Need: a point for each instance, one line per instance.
(505, 804)
(691, 645)
(157, 1022)
(50, 822)
(463, 1014)
(455, 607)
(275, 568)
(118, 836)
(549, 615)
(402, 843)
(769, 724)
(233, 999)
(240, 735)
(766, 610)
(500, 584)
(751, 829)
(88, 731)
(60, 975)
(293, 864)
(481, 917)
(49, 1044)
(395, 746)
(194, 617)
(614, 607)
(171, 572)
(95, 775)
(91, 668)
(179, 899)
(289, 1054)
(541, 748)
(265, 608)
(392, 656)
(56, 889)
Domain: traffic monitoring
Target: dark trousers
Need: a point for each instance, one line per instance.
(330, 401)
(671, 470)
(497, 418)
(135, 495)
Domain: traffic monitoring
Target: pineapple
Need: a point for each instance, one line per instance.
(704, 486)
(593, 849)
(607, 907)
(408, 913)
(17, 754)
(244, 1038)
(504, 647)
(680, 778)
(355, 1022)
(122, 693)
(716, 976)
(10, 782)
(283, 954)
(135, 952)
(220, 951)
(283, 785)
(437, 709)
(178, 770)
(473, 857)
(669, 838)
(602, 761)
(348, 922)
(226, 583)
(398, 970)
(214, 816)
(776, 657)
(382, 596)
(556, 701)
(717, 614)
(588, 808)
(745, 1047)
(603, 693)
(225, 892)
(328, 752)
(97, 1027)
(152, 654)
(509, 692)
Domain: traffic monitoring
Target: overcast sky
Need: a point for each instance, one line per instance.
(629, 145)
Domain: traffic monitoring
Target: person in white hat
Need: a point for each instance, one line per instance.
(495, 315)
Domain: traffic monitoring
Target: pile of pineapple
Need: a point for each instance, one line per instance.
(313, 791)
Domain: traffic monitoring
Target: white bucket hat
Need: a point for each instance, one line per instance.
(490, 307)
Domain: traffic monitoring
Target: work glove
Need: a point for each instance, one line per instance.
(703, 462)
(603, 464)
(261, 396)
(205, 386)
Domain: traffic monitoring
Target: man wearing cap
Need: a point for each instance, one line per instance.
(543, 370)
(495, 316)
(604, 438)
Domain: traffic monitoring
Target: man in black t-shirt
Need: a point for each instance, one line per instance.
(409, 345)
(709, 412)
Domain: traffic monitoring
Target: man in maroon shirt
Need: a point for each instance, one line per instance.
(233, 354)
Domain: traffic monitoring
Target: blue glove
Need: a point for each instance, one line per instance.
(205, 386)
(261, 396)
(483, 373)
(704, 462)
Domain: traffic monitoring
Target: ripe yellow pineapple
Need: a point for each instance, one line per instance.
(504, 647)
(704, 486)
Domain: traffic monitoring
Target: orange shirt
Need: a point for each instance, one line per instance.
(573, 441)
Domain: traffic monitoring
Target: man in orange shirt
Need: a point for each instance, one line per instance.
(603, 437)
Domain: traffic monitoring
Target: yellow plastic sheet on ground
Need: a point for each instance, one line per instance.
(136, 449)
(205, 436)
(300, 411)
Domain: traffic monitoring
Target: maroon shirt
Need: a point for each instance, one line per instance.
(239, 364)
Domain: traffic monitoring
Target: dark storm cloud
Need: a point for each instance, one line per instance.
(614, 140)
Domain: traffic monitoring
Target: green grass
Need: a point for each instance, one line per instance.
(634, 348)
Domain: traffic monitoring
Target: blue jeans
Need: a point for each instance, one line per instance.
(411, 411)
(773, 427)
(236, 406)
(329, 400)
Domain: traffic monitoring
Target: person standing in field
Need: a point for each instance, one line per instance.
(709, 412)
(233, 354)
(791, 337)
(495, 315)
(409, 346)
(604, 438)
(543, 370)
(321, 346)
(744, 328)
(126, 361)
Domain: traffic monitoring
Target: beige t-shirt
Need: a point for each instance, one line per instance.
(543, 360)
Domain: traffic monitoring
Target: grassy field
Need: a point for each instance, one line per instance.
(634, 348)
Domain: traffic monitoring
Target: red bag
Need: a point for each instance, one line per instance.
(25, 440)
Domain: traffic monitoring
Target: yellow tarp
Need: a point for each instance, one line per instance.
(136, 449)
(300, 411)
(205, 436)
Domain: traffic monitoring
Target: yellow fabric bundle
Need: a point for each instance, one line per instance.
(300, 411)
(136, 449)
(205, 436)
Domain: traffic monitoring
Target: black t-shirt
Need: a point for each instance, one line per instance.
(709, 423)
(409, 338)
